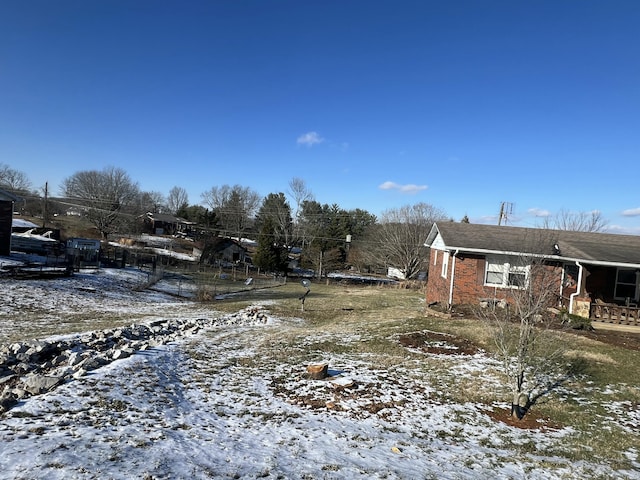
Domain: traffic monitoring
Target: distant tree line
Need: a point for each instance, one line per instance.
(321, 237)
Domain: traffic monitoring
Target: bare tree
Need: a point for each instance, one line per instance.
(300, 193)
(234, 206)
(576, 221)
(529, 345)
(178, 198)
(153, 202)
(13, 180)
(104, 193)
(398, 238)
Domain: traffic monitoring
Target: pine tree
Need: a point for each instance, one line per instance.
(269, 256)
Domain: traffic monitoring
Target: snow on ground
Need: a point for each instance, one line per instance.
(80, 302)
(213, 406)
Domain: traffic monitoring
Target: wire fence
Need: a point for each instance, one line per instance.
(189, 279)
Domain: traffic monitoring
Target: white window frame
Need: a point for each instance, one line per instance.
(635, 284)
(445, 264)
(505, 267)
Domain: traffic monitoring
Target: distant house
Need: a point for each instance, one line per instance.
(165, 224)
(470, 262)
(223, 251)
(7, 201)
(73, 212)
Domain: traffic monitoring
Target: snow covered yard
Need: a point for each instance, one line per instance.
(90, 300)
(235, 402)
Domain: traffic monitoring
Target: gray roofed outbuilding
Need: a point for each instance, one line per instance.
(8, 196)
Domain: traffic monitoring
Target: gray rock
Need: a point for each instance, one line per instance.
(75, 358)
(120, 354)
(7, 401)
(18, 348)
(36, 384)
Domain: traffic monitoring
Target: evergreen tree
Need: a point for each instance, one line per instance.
(325, 229)
(276, 210)
(269, 255)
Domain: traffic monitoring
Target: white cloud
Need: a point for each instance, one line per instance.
(486, 220)
(631, 212)
(621, 229)
(539, 212)
(410, 188)
(309, 139)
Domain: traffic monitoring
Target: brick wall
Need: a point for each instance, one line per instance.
(468, 282)
(437, 287)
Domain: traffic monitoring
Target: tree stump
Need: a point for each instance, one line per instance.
(318, 371)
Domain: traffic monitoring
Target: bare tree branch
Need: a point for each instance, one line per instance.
(525, 333)
(13, 180)
(105, 193)
(235, 207)
(177, 199)
(576, 221)
(398, 239)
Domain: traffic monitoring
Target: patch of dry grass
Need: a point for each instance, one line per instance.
(591, 357)
(366, 322)
(372, 318)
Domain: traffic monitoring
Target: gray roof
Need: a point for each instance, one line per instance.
(8, 196)
(166, 218)
(593, 248)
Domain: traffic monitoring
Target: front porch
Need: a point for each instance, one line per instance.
(613, 313)
(606, 294)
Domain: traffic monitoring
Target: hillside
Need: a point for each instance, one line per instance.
(234, 400)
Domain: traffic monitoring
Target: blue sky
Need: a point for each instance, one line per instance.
(378, 104)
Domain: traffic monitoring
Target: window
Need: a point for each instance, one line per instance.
(626, 281)
(435, 257)
(494, 273)
(502, 271)
(445, 264)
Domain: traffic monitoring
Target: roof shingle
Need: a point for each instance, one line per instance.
(586, 246)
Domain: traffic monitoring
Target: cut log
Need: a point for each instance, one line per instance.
(318, 371)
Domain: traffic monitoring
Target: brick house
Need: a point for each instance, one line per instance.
(471, 262)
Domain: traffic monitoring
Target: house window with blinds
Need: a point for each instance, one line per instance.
(506, 272)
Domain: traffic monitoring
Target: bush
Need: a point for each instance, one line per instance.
(575, 321)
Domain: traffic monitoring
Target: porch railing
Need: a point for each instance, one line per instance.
(618, 314)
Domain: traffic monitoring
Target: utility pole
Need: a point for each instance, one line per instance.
(506, 209)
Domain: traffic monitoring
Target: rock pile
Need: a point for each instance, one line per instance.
(35, 367)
